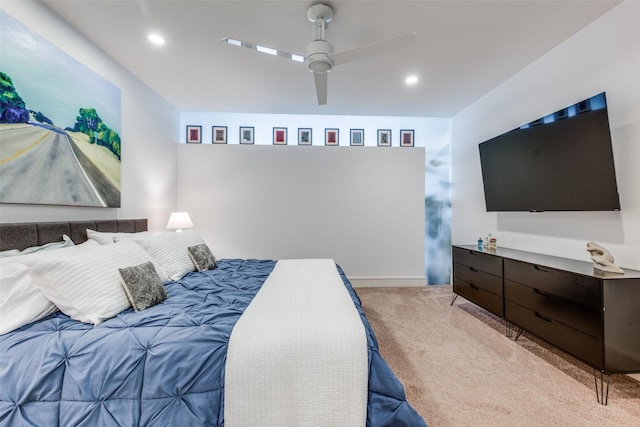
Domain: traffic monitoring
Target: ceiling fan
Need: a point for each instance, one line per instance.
(320, 57)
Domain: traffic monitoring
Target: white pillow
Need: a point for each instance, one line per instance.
(65, 242)
(170, 251)
(108, 238)
(100, 237)
(87, 286)
(21, 302)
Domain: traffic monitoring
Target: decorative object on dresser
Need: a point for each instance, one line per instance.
(590, 314)
(602, 258)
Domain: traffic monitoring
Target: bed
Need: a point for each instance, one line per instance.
(162, 365)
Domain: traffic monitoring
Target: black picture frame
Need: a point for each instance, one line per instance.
(332, 136)
(305, 136)
(356, 137)
(384, 137)
(219, 134)
(280, 136)
(246, 135)
(194, 134)
(407, 137)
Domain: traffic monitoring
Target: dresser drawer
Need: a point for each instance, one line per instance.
(478, 278)
(485, 262)
(578, 316)
(581, 289)
(481, 297)
(582, 346)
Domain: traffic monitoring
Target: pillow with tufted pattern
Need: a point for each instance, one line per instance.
(142, 285)
(202, 257)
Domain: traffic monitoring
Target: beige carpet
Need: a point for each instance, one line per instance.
(459, 369)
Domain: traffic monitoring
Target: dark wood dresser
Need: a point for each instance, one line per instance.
(590, 314)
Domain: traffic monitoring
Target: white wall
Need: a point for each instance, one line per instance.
(309, 179)
(604, 56)
(362, 206)
(150, 128)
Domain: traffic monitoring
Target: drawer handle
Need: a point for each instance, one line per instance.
(474, 287)
(544, 294)
(474, 270)
(541, 269)
(539, 316)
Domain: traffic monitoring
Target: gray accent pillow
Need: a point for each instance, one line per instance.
(142, 285)
(202, 257)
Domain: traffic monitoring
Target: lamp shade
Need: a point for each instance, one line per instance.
(179, 220)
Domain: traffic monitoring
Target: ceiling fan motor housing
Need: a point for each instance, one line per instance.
(318, 56)
(320, 12)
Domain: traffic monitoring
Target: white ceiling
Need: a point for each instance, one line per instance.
(463, 50)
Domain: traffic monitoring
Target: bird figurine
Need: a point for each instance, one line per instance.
(602, 258)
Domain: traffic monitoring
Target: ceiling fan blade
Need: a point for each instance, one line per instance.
(372, 49)
(263, 49)
(321, 87)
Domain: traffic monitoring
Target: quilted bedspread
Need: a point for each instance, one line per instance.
(163, 366)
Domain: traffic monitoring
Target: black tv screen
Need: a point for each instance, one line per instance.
(561, 162)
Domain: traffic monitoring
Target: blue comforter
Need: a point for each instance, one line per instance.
(163, 366)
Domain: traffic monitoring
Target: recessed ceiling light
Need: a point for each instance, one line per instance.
(156, 39)
(411, 80)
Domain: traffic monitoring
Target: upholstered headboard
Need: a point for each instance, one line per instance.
(23, 235)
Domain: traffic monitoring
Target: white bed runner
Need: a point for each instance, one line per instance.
(298, 354)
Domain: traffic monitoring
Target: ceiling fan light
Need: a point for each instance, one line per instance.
(232, 41)
(320, 66)
(267, 50)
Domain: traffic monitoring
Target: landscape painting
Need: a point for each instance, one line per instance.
(59, 125)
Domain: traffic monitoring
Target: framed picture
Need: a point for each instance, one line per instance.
(406, 138)
(384, 137)
(279, 136)
(304, 136)
(219, 134)
(357, 136)
(194, 134)
(331, 136)
(246, 134)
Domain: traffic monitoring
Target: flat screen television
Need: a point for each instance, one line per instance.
(561, 162)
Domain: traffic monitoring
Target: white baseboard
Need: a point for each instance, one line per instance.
(388, 282)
